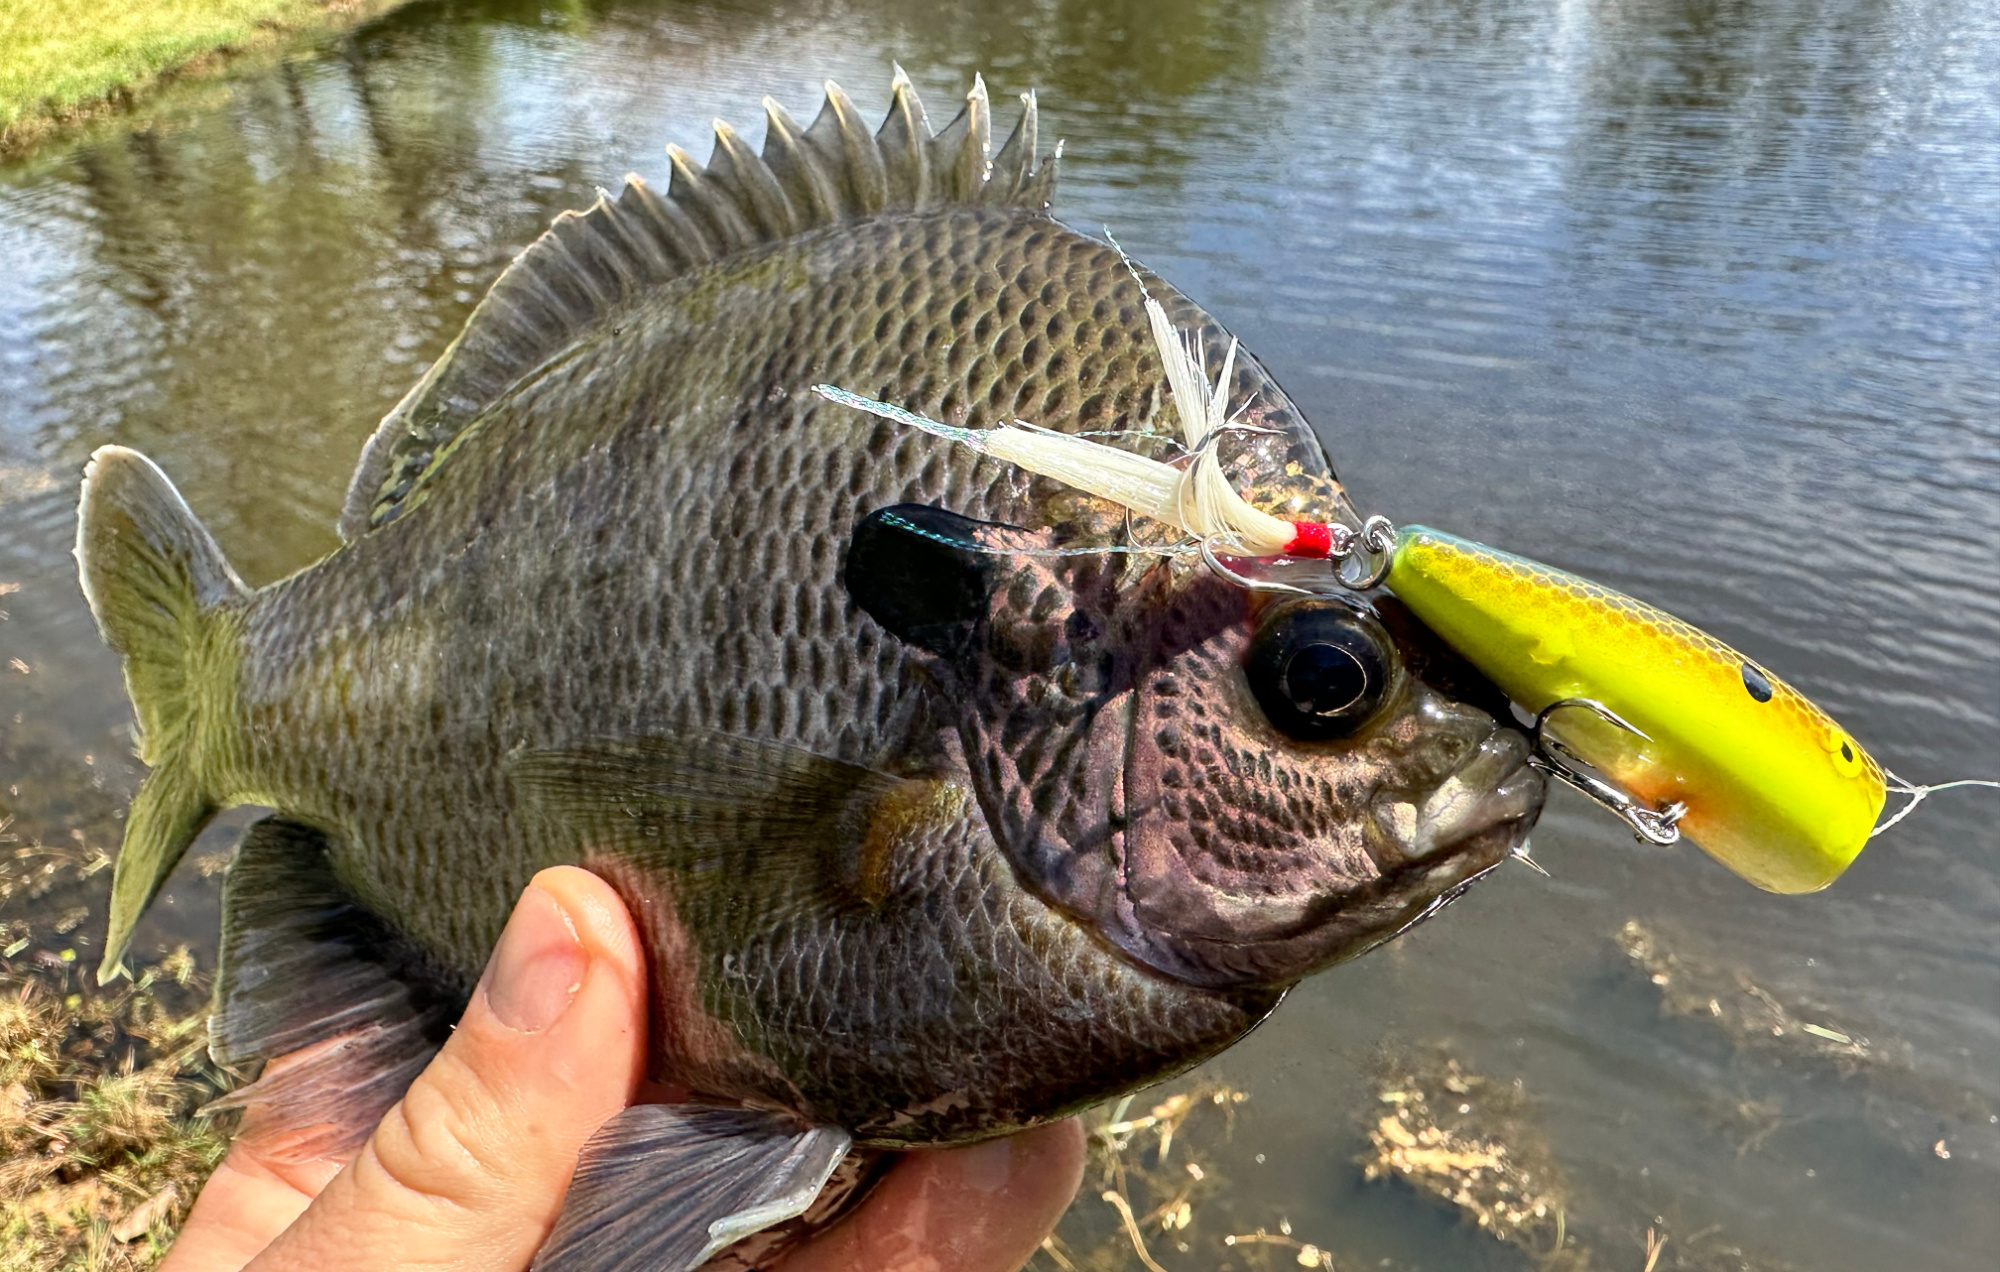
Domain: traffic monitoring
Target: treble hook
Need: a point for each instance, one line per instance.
(1376, 539)
(1244, 581)
(1653, 825)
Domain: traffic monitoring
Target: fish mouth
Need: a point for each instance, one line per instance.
(1417, 851)
(1479, 813)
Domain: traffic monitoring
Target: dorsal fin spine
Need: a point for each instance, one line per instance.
(905, 157)
(571, 287)
(598, 273)
(629, 220)
(797, 168)
(963, 146)
(591, 263)
(840, 132)
(735, 167)
(1015, 162)
(692, 187)
(676, 230)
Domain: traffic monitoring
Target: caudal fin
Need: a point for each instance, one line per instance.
(155, 582)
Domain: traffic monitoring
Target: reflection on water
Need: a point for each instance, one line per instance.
(1694, 296)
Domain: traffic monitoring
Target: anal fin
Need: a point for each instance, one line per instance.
(309, 974)
(664, 1187)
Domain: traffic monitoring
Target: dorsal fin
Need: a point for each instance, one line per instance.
(590, 263)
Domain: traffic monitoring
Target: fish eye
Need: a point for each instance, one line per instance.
(1318, 671)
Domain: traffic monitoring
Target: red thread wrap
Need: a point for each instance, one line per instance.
(1310, 539)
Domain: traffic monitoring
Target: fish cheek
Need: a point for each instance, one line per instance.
(1109, 750)
(1240, 844)
(1252, 857)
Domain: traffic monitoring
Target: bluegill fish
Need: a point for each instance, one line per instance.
(939, 822)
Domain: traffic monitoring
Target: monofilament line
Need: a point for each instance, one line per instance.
(1199, 500)
(1918, 792)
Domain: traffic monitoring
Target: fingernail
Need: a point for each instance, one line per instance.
(537, 967)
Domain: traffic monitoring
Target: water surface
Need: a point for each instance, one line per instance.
(1700, 298)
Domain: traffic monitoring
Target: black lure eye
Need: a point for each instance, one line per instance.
(1318, 671)
(1757, 682)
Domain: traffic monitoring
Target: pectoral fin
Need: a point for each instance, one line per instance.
(664, 1187)
(735, 817)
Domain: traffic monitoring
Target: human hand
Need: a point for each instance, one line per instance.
(468, 1171)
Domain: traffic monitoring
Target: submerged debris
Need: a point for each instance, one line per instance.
(1751, 1015)
(1797, 1034)
(100, 1151)
(1471, 1143)
(1142, 1204)
(1466, 1140)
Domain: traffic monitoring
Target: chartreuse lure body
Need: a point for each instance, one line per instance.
(1773, 788)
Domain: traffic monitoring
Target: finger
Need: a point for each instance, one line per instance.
(979, 1209)
(468, 1171)
(249, 1199)
(244, 1205)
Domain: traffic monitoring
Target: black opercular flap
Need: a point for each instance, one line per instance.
(922, 573)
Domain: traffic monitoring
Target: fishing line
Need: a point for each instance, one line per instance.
(967, 545)
(1192, 494)
(1139, 433)
(1130, 268)
(1918, 793)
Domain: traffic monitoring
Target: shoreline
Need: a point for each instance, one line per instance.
(65, 69)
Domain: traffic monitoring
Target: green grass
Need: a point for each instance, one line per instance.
(63, 58)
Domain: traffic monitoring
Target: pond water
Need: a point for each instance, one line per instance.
(1700, 298)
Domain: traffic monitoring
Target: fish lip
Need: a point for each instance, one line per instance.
(1487, 804)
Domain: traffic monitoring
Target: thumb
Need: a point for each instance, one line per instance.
(469, 1170)
(984, 1208)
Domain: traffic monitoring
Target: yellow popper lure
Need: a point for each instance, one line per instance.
(1700, 739)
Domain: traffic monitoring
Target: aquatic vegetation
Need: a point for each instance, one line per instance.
(1151, 1199)
(1469, 1142)
(100, 1148)
(1753, 1017)
(1785, 1030)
